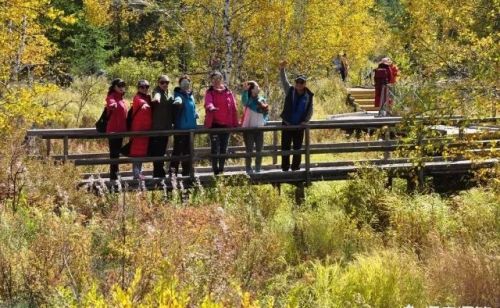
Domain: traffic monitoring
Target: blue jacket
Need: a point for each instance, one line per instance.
(297, 108)
(252, 103)
(185, 117)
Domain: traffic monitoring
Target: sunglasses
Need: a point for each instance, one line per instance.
(121, 85)
(164, 82)
(300, 82)
(144, 87)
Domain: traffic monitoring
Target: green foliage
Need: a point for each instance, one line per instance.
(132, 70)
(84, 47)
(383, 279)
(419, 221)
(474, 206)
(363, 199)
(329, 233)
(64, 248)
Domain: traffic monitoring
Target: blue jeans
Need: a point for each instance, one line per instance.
(218, 145)
(137, 170)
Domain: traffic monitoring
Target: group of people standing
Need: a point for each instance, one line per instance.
(162, 110)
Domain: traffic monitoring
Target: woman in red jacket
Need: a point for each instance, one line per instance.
(141, 121)
(382, 76)
(116, 110)
(221, 112)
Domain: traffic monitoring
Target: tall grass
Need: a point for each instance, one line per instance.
(351, 244)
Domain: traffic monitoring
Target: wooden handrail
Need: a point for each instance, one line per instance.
(306, 176)
(91, 133)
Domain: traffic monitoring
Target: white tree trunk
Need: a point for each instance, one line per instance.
(17, 64)
(229, 41)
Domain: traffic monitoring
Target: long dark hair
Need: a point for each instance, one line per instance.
(114, 83)
(251, 86)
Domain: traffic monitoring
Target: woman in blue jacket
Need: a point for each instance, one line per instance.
(255, 115)
(185, 118)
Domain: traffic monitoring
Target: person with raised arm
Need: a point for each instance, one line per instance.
(297, 110)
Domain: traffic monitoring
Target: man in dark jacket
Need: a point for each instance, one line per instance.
(297, 110)
(163, 119)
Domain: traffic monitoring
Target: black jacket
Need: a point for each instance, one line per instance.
(163, 111)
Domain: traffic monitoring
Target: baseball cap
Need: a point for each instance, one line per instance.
(302, 78)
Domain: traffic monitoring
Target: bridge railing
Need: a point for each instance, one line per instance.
(203, 154)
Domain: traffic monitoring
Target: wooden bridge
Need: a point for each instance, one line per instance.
(434, 165)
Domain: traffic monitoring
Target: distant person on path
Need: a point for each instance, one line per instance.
(336, 64)
(382, 77)
(116, 111)
(163, 119)
(344, 67)
(297, 110)
(256, 114)
(141, 121)
(185, 118)
(221, 112)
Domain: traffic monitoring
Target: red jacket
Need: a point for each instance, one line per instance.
(117, 113)
(142, 121)
(227, 114)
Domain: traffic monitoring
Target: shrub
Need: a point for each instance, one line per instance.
(464, 275)
(418, 221)
(132, 70)
(363, 199)
(326, 232)
(478, 215)
(382, 279)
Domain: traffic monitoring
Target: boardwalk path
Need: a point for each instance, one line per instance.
(434, 165)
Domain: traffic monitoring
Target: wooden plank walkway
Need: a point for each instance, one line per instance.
(271, 174)
(363, 99)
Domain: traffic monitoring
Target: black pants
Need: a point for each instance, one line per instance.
(343, 74)
(115, 145)
(181, 148)
(218, 145)
(287, 138)
(158, 148)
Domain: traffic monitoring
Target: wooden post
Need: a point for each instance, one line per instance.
(191, 154)
(387, 137)
(275, 147)
(65, 149)
(421, 176)
(300, 195)
(308, 156)
(49, 144)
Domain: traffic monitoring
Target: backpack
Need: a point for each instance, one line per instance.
(381, 76)
(102, 123)
(130, 118)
